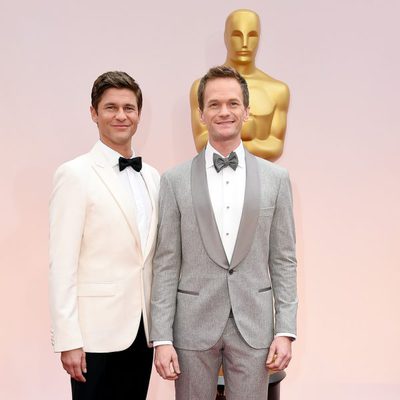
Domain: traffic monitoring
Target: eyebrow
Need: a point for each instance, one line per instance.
(124, 105)
(218, 101)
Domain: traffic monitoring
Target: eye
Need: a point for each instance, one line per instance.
(237, 33)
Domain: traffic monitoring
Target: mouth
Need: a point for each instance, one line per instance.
(243, 53)
(120, 126)
(225, 123)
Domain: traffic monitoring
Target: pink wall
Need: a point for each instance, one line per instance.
(341, 61)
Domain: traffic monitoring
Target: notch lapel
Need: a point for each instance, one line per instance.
(204, 213)
(250, 212)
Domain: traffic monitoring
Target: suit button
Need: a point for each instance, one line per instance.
(230, 271)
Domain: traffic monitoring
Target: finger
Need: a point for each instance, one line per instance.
(172, 372)
(282, 362)
(83, 363)
(175, 364)
(78, 373)
(169, 370)
(69, 367)
(159, 369)
(285, 362)
(271, 355)
(279, 361)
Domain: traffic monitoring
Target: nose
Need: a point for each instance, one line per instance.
(120, 114)
(224, 110)
(245, 41)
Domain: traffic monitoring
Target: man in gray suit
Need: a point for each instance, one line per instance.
(224, 284)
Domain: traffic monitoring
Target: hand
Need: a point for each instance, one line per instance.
(74, 362)
(280, 353)
(166, 362)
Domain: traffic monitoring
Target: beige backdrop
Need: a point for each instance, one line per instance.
(341, 61)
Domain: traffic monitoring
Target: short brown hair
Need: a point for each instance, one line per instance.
(222, 71)
(118, 80)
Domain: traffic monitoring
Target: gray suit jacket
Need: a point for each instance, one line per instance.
(194, 285)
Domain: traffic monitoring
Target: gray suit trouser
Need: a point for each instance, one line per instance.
(245, 374)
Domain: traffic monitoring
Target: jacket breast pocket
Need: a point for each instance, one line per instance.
(96, 289)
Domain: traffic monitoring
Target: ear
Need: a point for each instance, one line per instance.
(93, 112)
(201, 116)
(246, 114)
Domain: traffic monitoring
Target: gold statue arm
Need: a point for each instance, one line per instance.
(199, 130)
(271, 147)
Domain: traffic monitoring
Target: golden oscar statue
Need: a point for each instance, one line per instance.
(263, 134)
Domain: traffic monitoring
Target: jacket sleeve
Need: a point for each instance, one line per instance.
(166, 265)
(67, 219)
(282, 260)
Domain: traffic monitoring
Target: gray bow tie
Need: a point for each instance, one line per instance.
(221, 162)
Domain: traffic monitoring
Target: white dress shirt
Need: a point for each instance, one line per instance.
(226, 189)
(135, 186)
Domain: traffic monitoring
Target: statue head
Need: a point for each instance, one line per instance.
(242, 32)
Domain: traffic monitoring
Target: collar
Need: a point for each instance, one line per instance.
(111, 155)
(210, 151)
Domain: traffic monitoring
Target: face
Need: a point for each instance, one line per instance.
(242, 33)
(224, 112)
(117, 117)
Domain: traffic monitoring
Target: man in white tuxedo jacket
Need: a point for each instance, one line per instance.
(103, 218)
(224, 284)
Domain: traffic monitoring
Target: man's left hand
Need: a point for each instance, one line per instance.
(280, 354)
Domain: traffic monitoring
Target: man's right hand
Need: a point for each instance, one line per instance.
(166, 362)
(74, 362)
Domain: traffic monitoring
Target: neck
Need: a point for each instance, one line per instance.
(225, 147)
(124, 149)
(243, 69)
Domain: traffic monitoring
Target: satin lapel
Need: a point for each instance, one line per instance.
(152, 190)
(204, 212)
(110, 180)
(250, 212)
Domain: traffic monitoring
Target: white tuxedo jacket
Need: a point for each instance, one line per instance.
(100, 277)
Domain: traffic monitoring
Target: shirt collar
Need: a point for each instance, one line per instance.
(112, 155)
(210, 151)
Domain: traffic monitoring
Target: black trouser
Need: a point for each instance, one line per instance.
(117, 376)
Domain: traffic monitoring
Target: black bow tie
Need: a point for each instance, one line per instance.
(135, 163)
(221, 162)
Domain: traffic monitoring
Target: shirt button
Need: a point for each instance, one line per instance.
(230, 271)
(227, 233)
(227, 207)
(227, 182)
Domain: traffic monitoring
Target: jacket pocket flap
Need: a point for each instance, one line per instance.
(188, 292)
(96, 289)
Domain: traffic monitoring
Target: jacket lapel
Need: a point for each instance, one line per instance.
(250, 212)
(107, 176)
(204, 212)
